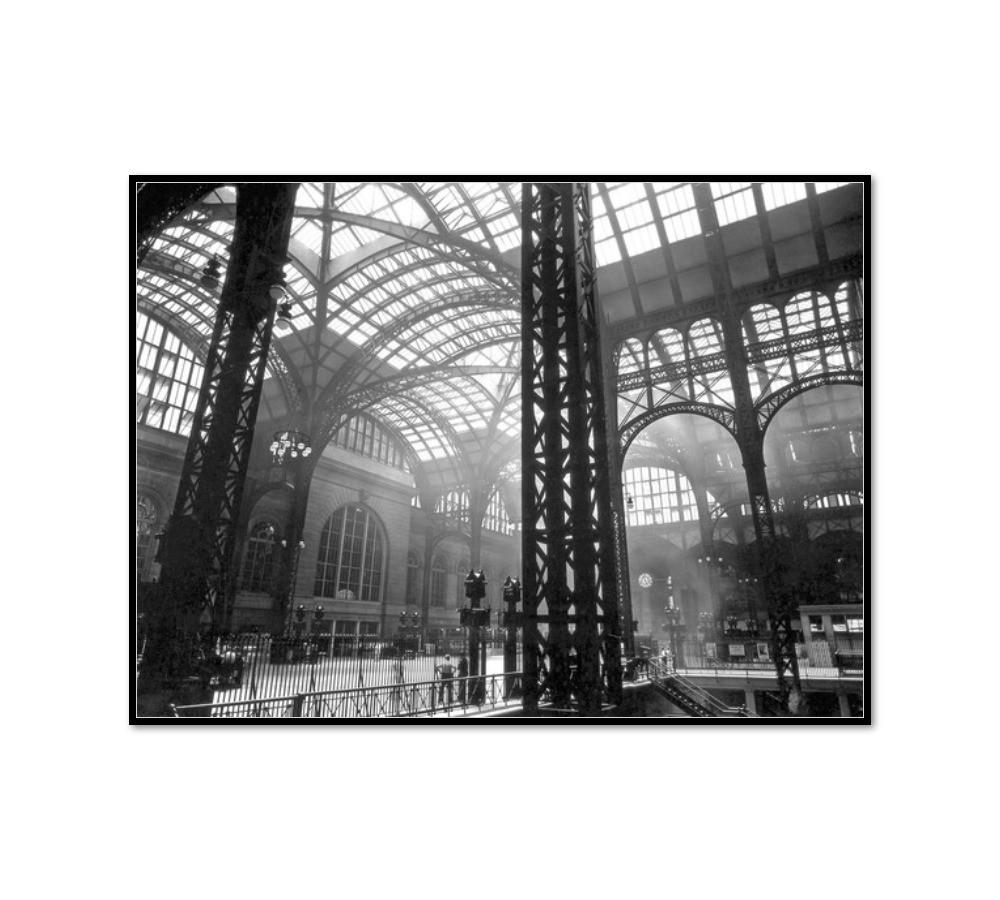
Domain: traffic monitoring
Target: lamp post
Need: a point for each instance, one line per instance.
(673, 625)
(512, 621)
(296, 550)
(409, 632)
(474, 618)
(748, 587)
(319, 639)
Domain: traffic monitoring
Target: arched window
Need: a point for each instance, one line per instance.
(660, 496)
(147, 518)
(167, 378)
(495, 518)
(412, 578)
(705, 340)
(439, 579)
(258, 560)
(351, 552)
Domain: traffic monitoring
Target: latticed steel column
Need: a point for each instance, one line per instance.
(571, 612)
(780, 606)
(201, 535)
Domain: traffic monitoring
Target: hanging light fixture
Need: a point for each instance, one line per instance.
(289, 446)
(283, 319)
(211, 274)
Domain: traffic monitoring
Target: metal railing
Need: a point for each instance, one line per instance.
(438, 697)
(254, 667)
(664, 675)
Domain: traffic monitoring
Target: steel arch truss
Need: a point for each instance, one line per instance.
(720, 414)
(572, 629)
(768, 408)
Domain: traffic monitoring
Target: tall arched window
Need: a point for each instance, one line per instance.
(147, 518)
(412, 578)
(258, 561)
(351, 551)
(439, 580)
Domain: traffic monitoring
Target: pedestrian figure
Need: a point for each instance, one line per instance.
(447, 672)
(463, 672)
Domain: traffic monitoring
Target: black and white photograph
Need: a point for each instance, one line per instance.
(558, 456)
(495, 450)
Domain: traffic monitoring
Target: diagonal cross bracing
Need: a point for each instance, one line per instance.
(572, 639)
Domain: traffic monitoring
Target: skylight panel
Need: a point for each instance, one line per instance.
(410, 213)
(310, 194)
(508, 240)
(626, 192)
(676, 200)
(365, 201)
(823, 186)
(633, 216)
(781, 193)
(641, 240)
(682, 226)
(343, 241)
(310, 234)
(602, 228)
(734, 201)
(607, 252)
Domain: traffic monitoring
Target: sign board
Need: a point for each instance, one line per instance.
(764, 652)
(737, 650)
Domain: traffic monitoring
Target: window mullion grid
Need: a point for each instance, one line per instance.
(340, 551)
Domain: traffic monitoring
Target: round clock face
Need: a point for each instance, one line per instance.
(645, 580)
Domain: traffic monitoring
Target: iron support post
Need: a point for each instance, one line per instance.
(200, 536)
(572, 639)
(750, 438)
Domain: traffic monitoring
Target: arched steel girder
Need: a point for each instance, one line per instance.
(718, 414)
(768, 407)
(461, 309)
(396, 296)
(373, 391)
(502, 401)
(495, 340)
(365, 354)
(477, 253)
(189, 334)
(158, 203)
(394, 299)
(441, 255)
(658, 457)
(458, 266)
(199, 226)
(417, 413)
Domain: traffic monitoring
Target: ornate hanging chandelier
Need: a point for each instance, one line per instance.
(289, 446)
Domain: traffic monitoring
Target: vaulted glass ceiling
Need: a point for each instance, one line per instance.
(406, 295)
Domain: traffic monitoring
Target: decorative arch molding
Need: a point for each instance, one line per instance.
(442, 536)
(718, 414)
(769, 406)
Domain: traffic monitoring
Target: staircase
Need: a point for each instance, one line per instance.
(686, 695)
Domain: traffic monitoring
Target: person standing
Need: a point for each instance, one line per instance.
(463, 673)
(447, 672)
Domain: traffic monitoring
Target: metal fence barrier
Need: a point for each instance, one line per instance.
(256, 667)
(438, 697)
